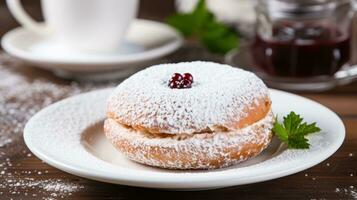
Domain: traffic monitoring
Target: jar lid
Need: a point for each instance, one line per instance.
(307, 8)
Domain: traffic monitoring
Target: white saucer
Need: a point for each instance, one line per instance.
(146, 40)
(69, 135)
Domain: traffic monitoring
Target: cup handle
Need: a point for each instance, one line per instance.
(24, 19)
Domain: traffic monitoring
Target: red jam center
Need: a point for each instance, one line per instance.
(180, 81)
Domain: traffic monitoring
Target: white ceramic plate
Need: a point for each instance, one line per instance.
(68, 135)
(145, 41)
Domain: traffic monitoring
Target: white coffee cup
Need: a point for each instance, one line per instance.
(85, 25)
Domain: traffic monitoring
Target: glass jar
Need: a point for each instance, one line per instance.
(302, 38)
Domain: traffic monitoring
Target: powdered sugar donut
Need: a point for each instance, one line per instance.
(224, 118)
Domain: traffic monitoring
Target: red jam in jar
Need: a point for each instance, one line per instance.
(302, 52)
(302, 38)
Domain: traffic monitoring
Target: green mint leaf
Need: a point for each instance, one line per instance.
(190, 23)
(293, 131)
(218, 38)
(201, 23)
(280, 131)
(183, 23)
(291, 122)
(201, 14)
(306, 129)
(298, 142)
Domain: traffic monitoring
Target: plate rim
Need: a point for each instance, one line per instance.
(149, 180)
(119, 59)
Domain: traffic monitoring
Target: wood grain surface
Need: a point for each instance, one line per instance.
(23, 176)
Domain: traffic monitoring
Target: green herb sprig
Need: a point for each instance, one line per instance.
(293, 131)
(202, 24)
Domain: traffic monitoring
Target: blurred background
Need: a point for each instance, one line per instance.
(236, 35)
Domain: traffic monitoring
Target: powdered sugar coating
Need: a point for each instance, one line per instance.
(219, 94)
(196, 151)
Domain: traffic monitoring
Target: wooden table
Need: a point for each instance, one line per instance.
(25, 89)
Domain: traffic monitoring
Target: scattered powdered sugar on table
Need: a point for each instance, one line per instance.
(350, 191)
(31, 182)
(33, 187)
(56, 186)
(5, 141)
(20, 98)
